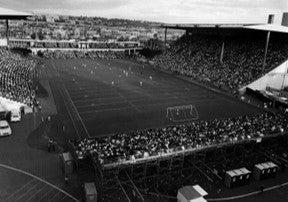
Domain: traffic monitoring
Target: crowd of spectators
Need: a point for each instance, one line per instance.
(90, 45)
(82, 54)
(16, 77)
(199, 57)
(55, 44)
(117, 45)
(156, 142)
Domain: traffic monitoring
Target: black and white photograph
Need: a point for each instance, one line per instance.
(143, 100)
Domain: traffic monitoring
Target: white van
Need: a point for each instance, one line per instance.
(15, 116)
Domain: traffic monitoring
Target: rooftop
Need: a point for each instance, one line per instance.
(13, 14)
(199, 26)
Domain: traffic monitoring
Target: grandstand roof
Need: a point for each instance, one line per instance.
(206, 25)
(12, 14)
(261, 27)
(269, 27)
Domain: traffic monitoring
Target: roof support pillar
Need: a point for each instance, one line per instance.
(222, 52)
(165, 39)
(266, 50)
(7, 31)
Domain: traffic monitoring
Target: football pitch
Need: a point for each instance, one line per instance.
(102, 97)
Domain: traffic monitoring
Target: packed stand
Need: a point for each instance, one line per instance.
(198, 56)
(82, 54)
(90, 45)
(155, 142)
(16, 74)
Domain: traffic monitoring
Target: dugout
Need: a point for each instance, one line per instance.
(237, 177)
(90, 192)
(265, 170)
(246, 176)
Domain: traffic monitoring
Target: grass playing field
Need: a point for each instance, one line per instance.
(102, 97)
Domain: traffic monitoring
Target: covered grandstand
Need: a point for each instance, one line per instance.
(16, 71)
(8, 14)
(241, 52)
(250, 56)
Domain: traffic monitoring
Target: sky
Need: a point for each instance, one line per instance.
(167, 11)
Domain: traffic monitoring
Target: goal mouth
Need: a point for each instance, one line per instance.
(182, 113)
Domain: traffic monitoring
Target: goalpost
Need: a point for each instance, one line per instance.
(182, 113)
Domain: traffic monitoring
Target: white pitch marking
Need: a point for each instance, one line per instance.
(77, 113)
(37, 192)
(17, 191)
(249, 194)
(26, 192)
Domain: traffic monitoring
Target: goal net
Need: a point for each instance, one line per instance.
(182, 113)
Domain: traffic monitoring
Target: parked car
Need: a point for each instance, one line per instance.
(5, 129)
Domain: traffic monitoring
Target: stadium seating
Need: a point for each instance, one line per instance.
(16, 74)
(81, 54)
(156, 142)
(199, 57)
(90, 45)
